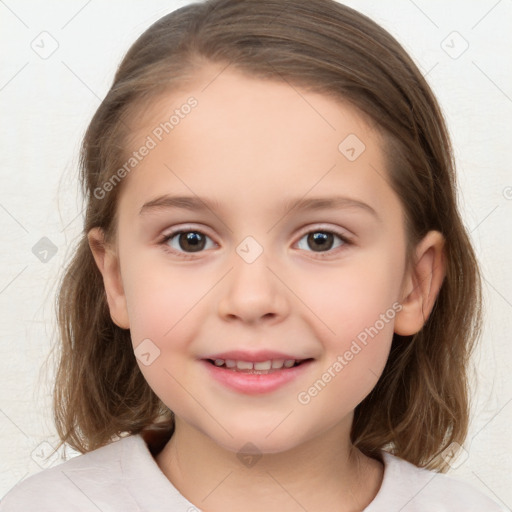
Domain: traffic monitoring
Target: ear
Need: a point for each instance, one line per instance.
(422, 283)
(108, 263)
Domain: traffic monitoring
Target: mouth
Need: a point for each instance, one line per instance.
(255, 372)
(257, 367)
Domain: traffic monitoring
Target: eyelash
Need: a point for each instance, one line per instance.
(346, 241)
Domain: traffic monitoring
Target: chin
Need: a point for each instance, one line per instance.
(256, 441)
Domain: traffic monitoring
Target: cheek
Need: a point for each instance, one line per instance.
(160, 298)
(354, 357)
(354, 297)
(164, 319)
(356, 306)
(160, 326)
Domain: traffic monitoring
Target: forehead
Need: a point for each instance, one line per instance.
(253, 137)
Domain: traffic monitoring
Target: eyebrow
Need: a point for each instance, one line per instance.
(196, 203)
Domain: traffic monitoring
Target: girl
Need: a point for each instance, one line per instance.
(274, 300)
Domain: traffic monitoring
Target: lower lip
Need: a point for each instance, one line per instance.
(254, 383)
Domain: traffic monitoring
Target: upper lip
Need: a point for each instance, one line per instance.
(256, 357)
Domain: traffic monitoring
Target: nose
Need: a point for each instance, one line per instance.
(253, 294)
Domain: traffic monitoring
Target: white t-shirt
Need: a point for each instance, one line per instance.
(124, 477)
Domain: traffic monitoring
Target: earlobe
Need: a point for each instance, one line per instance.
(107, 262)
(422, 284)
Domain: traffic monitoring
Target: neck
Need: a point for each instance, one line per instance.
(324, 473)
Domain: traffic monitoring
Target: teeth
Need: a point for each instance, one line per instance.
(244, 365)
(264, 365)
(271, 364)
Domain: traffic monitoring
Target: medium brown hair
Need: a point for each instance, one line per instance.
(420, 403)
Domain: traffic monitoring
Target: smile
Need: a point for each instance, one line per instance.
(255, 377)
(261, 367)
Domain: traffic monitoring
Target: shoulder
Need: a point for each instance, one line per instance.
(408, 488)
(84, 483)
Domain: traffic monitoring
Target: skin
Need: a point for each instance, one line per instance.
(252, 146)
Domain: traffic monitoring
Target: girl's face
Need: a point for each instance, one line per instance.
(258, 225)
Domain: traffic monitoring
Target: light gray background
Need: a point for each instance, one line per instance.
(47, 101)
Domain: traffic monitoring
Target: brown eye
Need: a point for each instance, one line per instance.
(188, 241)
(320, 241)
(192, 241)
